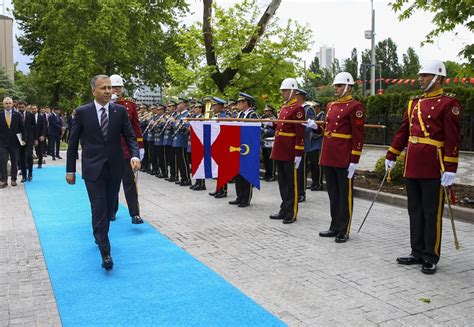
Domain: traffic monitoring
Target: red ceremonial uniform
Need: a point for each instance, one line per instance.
(343, 133)
(289, 138)
(131, 107)
(431, 132)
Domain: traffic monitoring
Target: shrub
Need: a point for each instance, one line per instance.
(396, 173)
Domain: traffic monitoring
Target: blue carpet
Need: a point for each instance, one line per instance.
(153, 282)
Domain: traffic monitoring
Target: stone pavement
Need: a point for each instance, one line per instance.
(303, 279)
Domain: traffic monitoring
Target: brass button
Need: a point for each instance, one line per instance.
(338, 116)
(337, 123)
(342, 109)
(429, 116)
(427, 126)
(334, 131)
(432, 108)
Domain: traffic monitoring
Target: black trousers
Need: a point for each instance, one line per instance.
(163, 164)
(39, 152)
(243, 189)
(145, 159)
(171, 158)
(302, 176)
(341, 199)
(154, 158)
(130, 189)
(288, 185)
(183, 163)
(6, 152)
(425, 208)
(268, 163)
(312, 162)
(103, 194)
(54, 142)
(26, 159)
(150, 155)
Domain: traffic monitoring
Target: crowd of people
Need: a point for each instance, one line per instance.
(300, 138)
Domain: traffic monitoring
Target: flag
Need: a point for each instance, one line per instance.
(224, 150)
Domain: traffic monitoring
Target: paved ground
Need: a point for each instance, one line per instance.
(303, 279)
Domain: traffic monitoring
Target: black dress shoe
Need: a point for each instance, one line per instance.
(112, 218)
(213, 193)
(276, 216)
(14, 183)
(23, 180)
(409, 260)
(317, 188)
(107, 262)
(243, 205)
(301, 198)
(341, 238)
(237, 201)
(220, 195)
(185, 183)
(39, 167)
(199, 188)
(193, 186)
(289, 220)
(54, 159)
(30, 178)
(177, 182)
(136, 219)
(328, 233)
(428, 268)
(59, 157)
(171, 179)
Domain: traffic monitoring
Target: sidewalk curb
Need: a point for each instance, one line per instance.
(459, 213)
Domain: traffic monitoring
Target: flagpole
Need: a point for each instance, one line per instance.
(258, 120)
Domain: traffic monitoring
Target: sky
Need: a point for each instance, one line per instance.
(341, 24)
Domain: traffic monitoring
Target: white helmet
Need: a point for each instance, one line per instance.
(343, 78)
(434, 67)
(289, 84)
(116, 80)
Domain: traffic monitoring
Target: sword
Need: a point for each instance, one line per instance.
(450, 211)
(387, 172)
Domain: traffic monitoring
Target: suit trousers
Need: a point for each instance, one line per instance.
(302, 175)
(39, 152)
(54, 142)
(243, 189)
(312, 161)
(183, 163)
(130, 189)
(268, 163)
(171, 158)
(13, 153)
(288, 185)
(425, 208)
(340, 199)
(26, 159)
(145, 160)
(103, 194)
(162, 160)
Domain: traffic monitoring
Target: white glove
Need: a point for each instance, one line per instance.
(297, 162)
(141, 153)
(389, 164)
(351, 169)
(448, 178)
(312, 124)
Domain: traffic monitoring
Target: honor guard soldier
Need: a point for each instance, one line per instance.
(198, 112)
(340, 154)
(219, 112)
(431, 134)
(302, 173)
(243, 188)
(287, 151)
(144, 119)
(180, 142)
(128, 177)
(168, 142)
(267, 132)
(312, 147)
(154, 170)
(159, 149)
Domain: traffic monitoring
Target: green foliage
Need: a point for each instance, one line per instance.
(352, 64)
(386, 55)
(71, 41)
(396, 174)
(260, 72)
(411, 64)
(7, 89)
(448, 15)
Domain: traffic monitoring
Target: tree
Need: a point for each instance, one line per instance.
(70, 41)
(7, 89)
(411, 64)
(386, 55)
(448, 15)
(233, 50)
(352, 64)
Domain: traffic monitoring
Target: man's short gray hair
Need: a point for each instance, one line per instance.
(95, 79)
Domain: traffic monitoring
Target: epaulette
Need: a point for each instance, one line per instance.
(129, 99)
(449, 95)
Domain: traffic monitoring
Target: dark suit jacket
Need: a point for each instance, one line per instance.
(96, 150)
(55, 125)
(41, 126)
(8, 135)
(30, 127)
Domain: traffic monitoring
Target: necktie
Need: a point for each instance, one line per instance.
(8, 119)
(104, 122)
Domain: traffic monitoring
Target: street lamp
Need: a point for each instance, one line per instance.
(380, 75)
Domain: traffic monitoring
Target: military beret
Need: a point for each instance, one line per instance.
(216, 100)
(244, 96)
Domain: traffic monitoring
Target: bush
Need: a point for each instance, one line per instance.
(396, 173)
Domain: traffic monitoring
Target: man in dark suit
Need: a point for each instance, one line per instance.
(26, 151)
(99, 126)
(41, 133)
(11, 132)
(55, 126)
